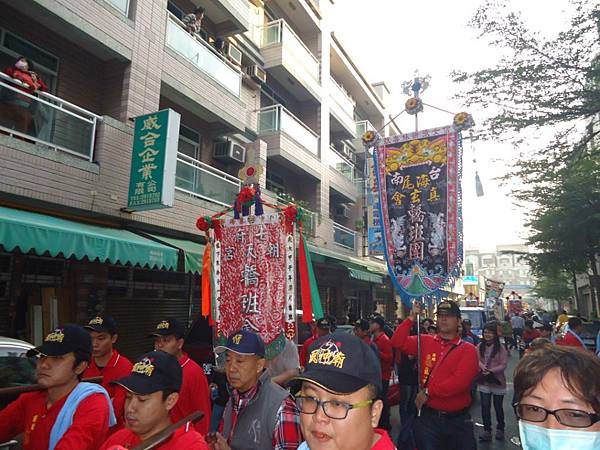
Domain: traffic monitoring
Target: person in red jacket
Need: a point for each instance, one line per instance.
(153, 388)
(339, 400)
(573, 335)
(66, 414)
(15, 110)
(325, 326)
(107, 362)
(448, 367)
(194, 394)
(384, 351)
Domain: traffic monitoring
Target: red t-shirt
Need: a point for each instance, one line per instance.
(384, 442)
(571, 340)
(184, 438)
(529, 336)
(193, 396)
(117, 367)
(28, 414)
(451, 377)
(384, 345)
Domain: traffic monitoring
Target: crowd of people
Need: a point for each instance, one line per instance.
(334, 394)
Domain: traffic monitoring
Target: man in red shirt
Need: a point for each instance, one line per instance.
(339, 397)
(448, 368)
(194, 394)
(107, 362)
(325, 326)
(66, 414)
(152, 392)
(573, 335)
(384, 350)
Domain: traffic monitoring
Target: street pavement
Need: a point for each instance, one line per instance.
(511, 427)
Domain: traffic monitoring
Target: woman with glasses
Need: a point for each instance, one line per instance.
(557, 392)
(339, 396)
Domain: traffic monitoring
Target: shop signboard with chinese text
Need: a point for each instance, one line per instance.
(418, 177)
(154, 161)
(373, 220)
(254, 279)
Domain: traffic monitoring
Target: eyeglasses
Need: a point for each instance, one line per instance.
(334, 409)
(567, 417)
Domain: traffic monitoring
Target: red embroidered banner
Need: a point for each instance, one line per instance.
(254, 279)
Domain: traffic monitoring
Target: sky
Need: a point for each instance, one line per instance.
(390, 39)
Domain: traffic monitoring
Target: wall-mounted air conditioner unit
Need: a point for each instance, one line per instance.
(342, 211)
(257, 73)
(234, 54)
(229, 151)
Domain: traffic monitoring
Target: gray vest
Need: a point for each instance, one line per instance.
(256, 422)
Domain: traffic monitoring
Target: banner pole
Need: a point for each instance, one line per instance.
(419, 353)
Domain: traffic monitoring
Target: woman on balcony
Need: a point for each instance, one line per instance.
(16, 111)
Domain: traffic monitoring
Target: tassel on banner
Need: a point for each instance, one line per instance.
(311, 301)
(206, 281)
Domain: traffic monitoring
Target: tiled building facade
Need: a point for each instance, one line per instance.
(284, 89)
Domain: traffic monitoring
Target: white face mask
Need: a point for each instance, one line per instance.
(534, 437)
(21, 65)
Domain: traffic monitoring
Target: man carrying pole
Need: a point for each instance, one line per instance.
(65, 413)
(448, 367)
(152, 392)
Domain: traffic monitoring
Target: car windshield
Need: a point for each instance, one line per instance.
(16, 369)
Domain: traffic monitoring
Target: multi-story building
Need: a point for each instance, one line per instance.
(505, 265)
(282, 92)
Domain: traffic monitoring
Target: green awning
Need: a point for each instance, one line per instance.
(193, 252)
(364, 275)
(42, 233)
(364, 269)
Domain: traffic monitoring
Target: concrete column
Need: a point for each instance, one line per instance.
(257, 156)
(142, 78)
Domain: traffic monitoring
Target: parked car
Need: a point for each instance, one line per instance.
(16, 369)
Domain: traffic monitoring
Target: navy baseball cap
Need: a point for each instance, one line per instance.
(327, 322)
(244, 342)
(378, 320)
(154, 371)
(362, 324)
(341, 363)
(66, 339)
(449, 308)
(167, 327)
(102, 324)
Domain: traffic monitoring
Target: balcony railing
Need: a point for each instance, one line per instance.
(343, 236)
(201, 54)
(344, 102)
(279, 32)
(362, 126)
(341, 163)
(59, 124)
(203, 181)
(277, 118)
(309, 218)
